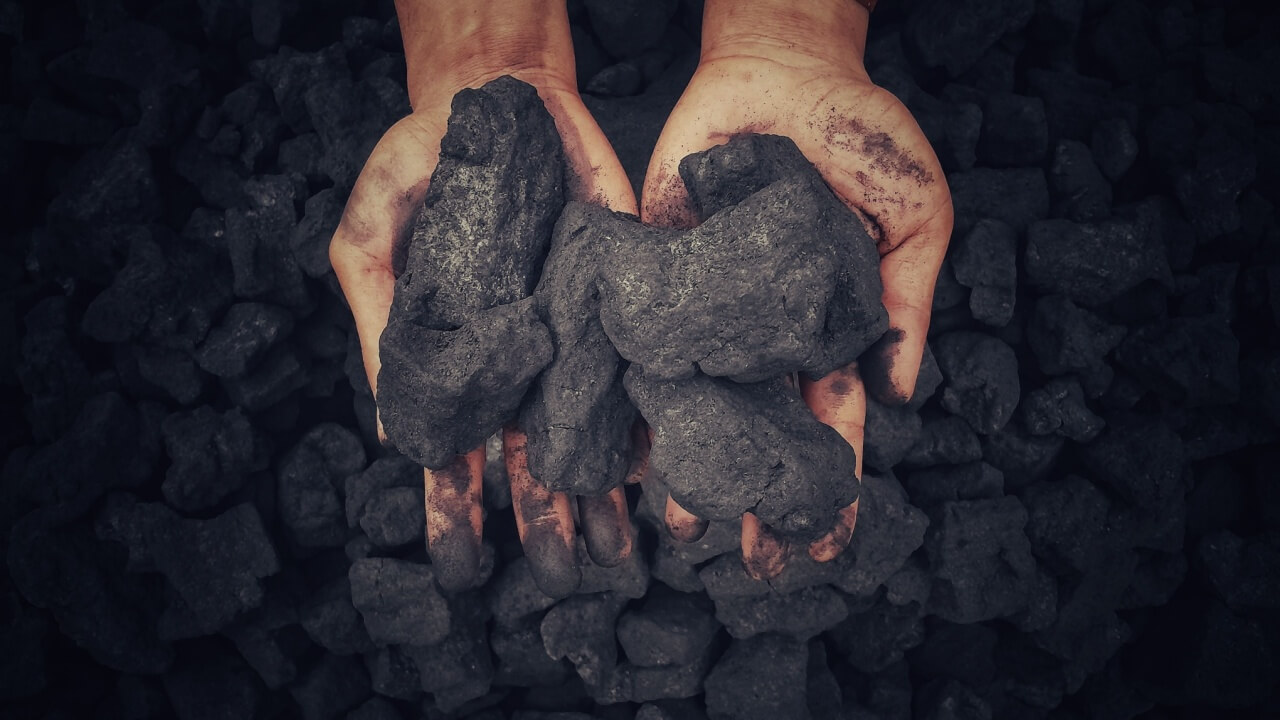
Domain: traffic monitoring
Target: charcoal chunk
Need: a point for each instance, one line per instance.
(514, 595)
(955, 34)
(801, 614)
(669, 629)
(333, 686)
(1067, 338)
(523, 659)
(1059, 407)
(218, 681)
(1114, 147)
(394, 517)
(890, 434)
(244, 336)
(1208, 191)
(775, 458)
(981, 559)
(982, 379)
(971, 481)
(578, 417)
(1093, 263)
(985, 260)
(1016, 196)
(216, 565)
(385, 473)
(308, 482)
(1014, 130)
(581, 629)
(888, 531)
(213, 455)
(463, 343)
(459, 668)
(392, 673)
(1239, 569)
(1138, 457)
(945, 441)
(332, 621)
(1066, 521)
(759, 677)
(399, 601)
(874, 639)
(1079, 191)
(785, 279)
(1191, 361)
(628, 27)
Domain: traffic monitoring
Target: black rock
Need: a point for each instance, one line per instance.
(971, 481)
(578, 417)
(459, 668)
(1014, 130)
(669, 629)
(393, 674)
(779, 277)
(460, 348)
(760, 677)
(1017, 196)
(875, 638)
(400, 602)
(985, 260)
(215, 681)
(769, 454)
(1067, 338)
(1079, 191)
(395, 517)
(581, 629)
(948, 440)
(890, 434)
(801, 614)
(981, 559)
(1114, 147)
(213, 455)
(334, 685)
(1224, 166)
(888, 531)
(332, 621)
(262, 263)
(523, 659)
(1093, 263)
(242, 338)
(1191, 361)
(1066, 521)
(1021, 456)
(982, 379)
(1060, 408)
(385, 473)
(1140, 458)
(955, 35)
(216, 566)
(309, 480)
(629, 27)
(279, 375)
(514, 596)
(1239, 569)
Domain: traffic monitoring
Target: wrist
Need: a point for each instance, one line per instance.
(832, 32)
(453, 45)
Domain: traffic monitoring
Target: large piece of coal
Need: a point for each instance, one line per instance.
(982, 379)
(1093, 263)
(779, 277)
(725, 448)
(309, 480)
(460, 349)
(578, 418)
(213, 455)
(981, 560)
(400, 601)
(760, 677)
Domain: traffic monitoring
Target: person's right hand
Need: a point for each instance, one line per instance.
(450, 46)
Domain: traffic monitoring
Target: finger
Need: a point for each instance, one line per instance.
(829, 546)
(544, 521)
(909, 273)
(641, 442)
(606, 527)
(839, 400)
(595, 173)
(376, 221)
(764, 553)
(682, 524)
(454, 520)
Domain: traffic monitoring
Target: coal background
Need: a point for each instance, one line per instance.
(1077, 519)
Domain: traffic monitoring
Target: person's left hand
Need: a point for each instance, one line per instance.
(768, 66)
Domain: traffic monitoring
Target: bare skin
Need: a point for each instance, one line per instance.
(795, 69)
(450, 46)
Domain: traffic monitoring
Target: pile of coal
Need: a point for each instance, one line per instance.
(1074, 516)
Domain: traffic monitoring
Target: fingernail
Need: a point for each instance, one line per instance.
(455, 559)
(553, 564)
(606, 533)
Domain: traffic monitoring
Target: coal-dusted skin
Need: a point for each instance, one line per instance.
(779, 277)
(460, 350)
(578, 417)
(725, 448)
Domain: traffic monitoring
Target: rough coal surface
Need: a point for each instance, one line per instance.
(476, 251)
(199, 519)
(778, 277)
(725, 448)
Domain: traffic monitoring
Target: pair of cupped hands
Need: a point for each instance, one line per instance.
(765, 67)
